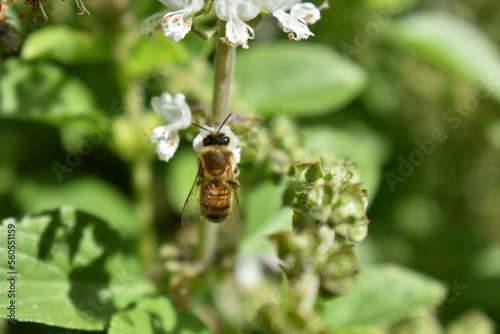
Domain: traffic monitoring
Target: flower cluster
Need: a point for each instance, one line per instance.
(317, 256)
(177, 115)
(292, 15)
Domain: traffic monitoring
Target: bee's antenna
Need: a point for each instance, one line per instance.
(220, 127)
(202, 127)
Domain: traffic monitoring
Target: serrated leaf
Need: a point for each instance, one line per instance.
(155, 315)
(63, 44)
(73, 270)
(296, 79)
(383, 295)
(451, 43)
(41, 92)
(89, 194)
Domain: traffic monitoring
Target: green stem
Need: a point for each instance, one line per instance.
(141, 182)
(141, 178)
(224, 67)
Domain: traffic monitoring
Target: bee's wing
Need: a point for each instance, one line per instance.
(232, 222)
(191, 212)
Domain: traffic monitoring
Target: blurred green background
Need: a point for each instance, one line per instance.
(408, 89)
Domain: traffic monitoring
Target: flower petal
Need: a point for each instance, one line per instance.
(177, 5)
(274, 5)
(235, 12)
(158, 133)
(167, 145)
(176, 27)
(306, 11)
(174, 110)
(178, 23)
(296, 28)
(238, 33)
(244, 10)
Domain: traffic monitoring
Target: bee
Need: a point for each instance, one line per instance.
(214, 193)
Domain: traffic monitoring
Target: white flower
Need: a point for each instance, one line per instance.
(296, 27)
(306, 11)
(235, 12)
(175, 111)
(233, 140)
(177, 24)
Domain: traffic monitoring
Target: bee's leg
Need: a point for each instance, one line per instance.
(235, 184)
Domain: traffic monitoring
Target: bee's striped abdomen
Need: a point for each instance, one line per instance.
(216, 200)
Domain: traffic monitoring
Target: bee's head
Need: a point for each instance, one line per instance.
(217, 138)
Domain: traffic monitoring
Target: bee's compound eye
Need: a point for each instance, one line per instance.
(224, 139)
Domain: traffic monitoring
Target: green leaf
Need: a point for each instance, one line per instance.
(63, 44)
(147, 57)
(41, 92)
(451, 43)
(264, 215)
(155, 315)
(73, 270)
(296, 79)
(90, 194)
(383, 295)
